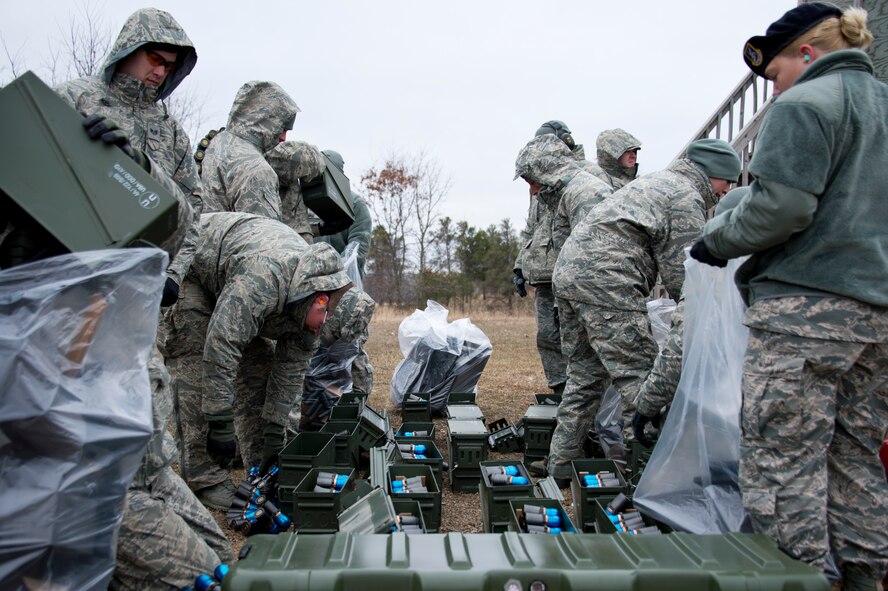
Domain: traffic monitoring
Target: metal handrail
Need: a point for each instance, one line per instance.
(730, 117)
(733, 119)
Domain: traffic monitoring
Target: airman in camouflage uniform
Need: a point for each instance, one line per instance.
(137, 107)
(234, 171)
(617, 164)
(295, 163)
(548, 162)
(604, 276)
(537, 255)
(166, 536)
(253, 279)
(659, 387)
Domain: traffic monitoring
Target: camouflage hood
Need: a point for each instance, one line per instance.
(351, 319)
(611, 144)
(260, 113)
(149, 25)
(548, 161)
(292, 161)
(319, 269)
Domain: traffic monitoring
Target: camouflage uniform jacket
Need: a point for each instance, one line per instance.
(612, 258)
(584, 191)
(546, 160)
(536, 255)
(261, 274)
(611, 144)
(235, 174)
(295, 162)
(360, 231)
(351, 320)
(138, 109)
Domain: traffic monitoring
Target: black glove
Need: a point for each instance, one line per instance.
(100, 127)
(702, 254)
(220, 435)
(519, 282)
(638, 422)
(273, 435)
(334, 227)
(170, 293)
(660, 417)
(555, 318)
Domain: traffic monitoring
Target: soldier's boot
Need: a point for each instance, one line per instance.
(538, 468)
(218, 496)
(858, 579)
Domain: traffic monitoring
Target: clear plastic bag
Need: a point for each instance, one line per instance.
(75, 410)
(690, 481)
(349, 258)
(429, 324)
(329, 376)
(440, 357)
(609, 421)
(660, 315)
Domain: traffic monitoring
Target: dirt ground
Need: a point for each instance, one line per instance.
(507, 387)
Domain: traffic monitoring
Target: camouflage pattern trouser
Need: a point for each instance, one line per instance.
(362, 372)
(814, 414)
(185, 342)
(549, 336)
(167, 537)
(602, 347)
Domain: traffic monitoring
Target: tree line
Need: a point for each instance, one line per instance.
(416, 254)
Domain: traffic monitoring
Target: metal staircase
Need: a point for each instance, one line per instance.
(738, 119)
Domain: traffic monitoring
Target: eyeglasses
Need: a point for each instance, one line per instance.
(157, 60)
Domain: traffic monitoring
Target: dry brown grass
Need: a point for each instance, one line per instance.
(512, 376)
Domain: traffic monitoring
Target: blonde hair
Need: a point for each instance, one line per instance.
(832, 34)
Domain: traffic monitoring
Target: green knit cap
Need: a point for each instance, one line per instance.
(716, 157)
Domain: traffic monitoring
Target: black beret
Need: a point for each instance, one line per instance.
(759, 51)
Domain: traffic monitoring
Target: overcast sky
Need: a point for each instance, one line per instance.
(466, 81)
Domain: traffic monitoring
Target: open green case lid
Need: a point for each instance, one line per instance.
(87, 194)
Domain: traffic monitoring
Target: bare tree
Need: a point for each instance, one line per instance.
(390, 193)
(85, 42)
(14, 61)
(188, 107)
(405, 194)
(429, 190)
